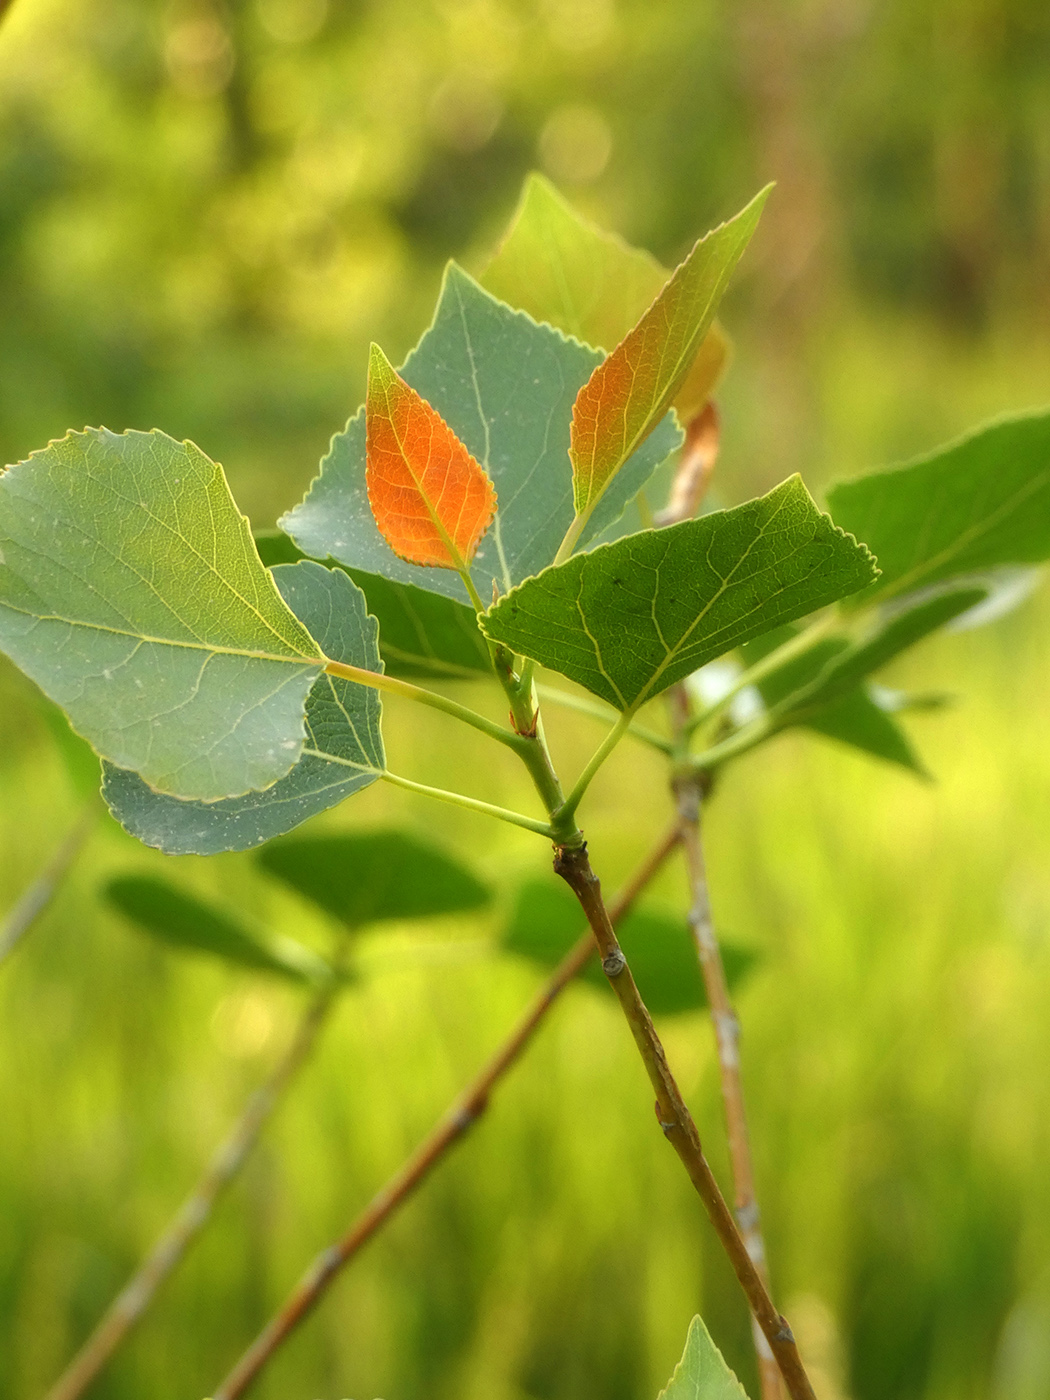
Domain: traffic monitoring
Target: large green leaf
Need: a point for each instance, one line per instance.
(420, 634)
(979, 502)
(360, 877)
(702, 1373)
(185, 922)
(545, 923)
(344, 748)
(131, 592)
(631, 618)
(506, 387)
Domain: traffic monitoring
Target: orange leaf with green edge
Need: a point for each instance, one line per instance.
(431, 499)
(633, 388)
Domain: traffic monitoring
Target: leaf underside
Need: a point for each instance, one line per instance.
(631, 390)
(420, 634)
(344, 745)
(634, 617)
(975, 504)
(564, 270)
(430, 498)
(506, 387)
(545, 924)
(131, 592)
(362, 877)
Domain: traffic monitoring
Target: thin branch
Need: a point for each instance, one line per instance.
(467, 1109)
(39, 894)
(168, 1252)
(472, 804)
(574, 866)
(695, 467)
(689, 792)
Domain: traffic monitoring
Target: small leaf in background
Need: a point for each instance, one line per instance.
(430, 498)
(702, 1373)
(131, 592)
(633, 387)
(545, 923)
(562, 269)
(344, 744)
(79, 759)
(506, 387)
(185, 922)
(361, 877)
(631, 618)
(977, 503)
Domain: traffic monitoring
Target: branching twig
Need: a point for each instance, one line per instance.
(470, 1105)
(170, 1249)
(690, 787)
(40, 893)
(574, 866)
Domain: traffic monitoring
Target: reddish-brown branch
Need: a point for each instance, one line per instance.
(574, 866)
(470, 1105)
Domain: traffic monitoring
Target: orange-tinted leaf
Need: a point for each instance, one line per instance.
(633, 388)
(431, 499)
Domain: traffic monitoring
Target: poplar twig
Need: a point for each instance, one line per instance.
(170, 1249)
(573, 865)
(463, 1114)
(37, 896)
(690, 788)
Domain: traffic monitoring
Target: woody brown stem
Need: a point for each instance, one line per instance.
(463, 1114)
(574, 866)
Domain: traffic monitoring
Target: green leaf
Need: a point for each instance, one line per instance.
(631, 618)
(420, 634)
(979, 502)
(361, 877)
(631, 390)
(702, 1373)
(185, 922)
(562, 269)
(506, 387)
(545, 924)
(344, 748)
(131, 592)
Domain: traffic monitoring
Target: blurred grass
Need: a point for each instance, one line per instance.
(210, 211)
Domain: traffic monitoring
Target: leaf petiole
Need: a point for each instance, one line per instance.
(584, 706)
(378, 680)
(472, 804)
(567, 811)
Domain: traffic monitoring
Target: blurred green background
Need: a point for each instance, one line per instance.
(208, 210)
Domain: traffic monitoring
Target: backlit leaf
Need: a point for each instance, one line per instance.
(420, 634)
(343, 752)
(702, 1373)
(505, 386)
(430, 498)
(131, 592)
(980, 502)
(562, 269)
(360, 877)
(631, 618)
(185, 922)
(545, 923)
(633, 388)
